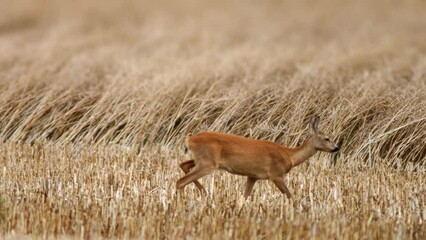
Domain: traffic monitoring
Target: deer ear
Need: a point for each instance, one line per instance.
(315, 124)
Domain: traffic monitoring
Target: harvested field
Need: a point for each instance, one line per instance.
(97, 97)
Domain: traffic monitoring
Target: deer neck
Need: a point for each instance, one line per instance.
(303, 152)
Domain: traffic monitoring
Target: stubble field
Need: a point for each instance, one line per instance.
(97, 97)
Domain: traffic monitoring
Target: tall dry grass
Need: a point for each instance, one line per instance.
(96, 98)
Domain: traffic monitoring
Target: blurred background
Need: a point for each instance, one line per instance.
(150, 72)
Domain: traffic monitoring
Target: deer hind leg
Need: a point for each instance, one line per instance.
(186, 167)
(197, 172)
(249, 186)
(279, 182)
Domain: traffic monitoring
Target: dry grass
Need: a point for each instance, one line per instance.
(94, 191)
(96, 98)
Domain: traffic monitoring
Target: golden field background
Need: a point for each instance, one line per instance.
(96, 98)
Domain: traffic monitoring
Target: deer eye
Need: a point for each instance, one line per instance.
(327, 139)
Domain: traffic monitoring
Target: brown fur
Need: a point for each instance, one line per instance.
(256, 159)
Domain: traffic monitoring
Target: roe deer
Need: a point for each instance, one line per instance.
(256, 159)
